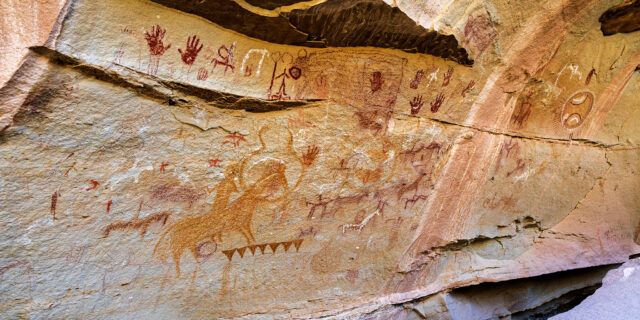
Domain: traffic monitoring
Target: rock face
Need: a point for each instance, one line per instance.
(353, 159)
(23, 24)
(606, 303)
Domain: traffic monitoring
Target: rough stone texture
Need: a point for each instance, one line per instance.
(509, 298)
(616, 299)
(23, 24)
(157, 165)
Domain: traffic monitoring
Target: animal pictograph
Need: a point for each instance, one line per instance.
(141, 224)
(233, 216)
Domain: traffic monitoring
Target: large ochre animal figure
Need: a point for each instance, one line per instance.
(232, 216)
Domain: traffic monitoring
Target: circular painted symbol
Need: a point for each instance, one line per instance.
(576, 109)
(295, 73)
(206, 249)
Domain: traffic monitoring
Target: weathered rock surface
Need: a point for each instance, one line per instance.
(617, 299)
(23, 24)
(261, 161)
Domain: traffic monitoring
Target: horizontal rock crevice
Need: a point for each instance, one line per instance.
(170, 92)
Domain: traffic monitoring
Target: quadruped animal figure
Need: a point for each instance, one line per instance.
(233, 216)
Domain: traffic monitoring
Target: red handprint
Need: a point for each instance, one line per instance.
(154, 40)
(438, 103)
(310, 156)
(191, 52)
(417, 79)
(322, 91)
(156, 47)
(416, 105)
(447, 77)
(468, 88)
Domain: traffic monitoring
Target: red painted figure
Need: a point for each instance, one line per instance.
(163, 165)
(54, 203)
(226, 58)
(94, 184)
(214, 163)
(522, 112)
(235, 139)
(376, 81)
(203, 74)
(591, 73)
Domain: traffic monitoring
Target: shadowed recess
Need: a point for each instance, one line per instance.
(334, 23)
(228, 14)
(623, 18)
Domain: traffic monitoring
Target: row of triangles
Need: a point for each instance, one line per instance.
(274, 246)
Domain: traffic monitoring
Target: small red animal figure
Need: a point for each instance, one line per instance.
(235, 139)
(163, 165)
(94, 184)
(214, 163)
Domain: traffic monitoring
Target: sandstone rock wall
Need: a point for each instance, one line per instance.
(23, 24)
(158, 162)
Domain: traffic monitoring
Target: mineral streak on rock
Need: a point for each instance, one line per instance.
(358, 159)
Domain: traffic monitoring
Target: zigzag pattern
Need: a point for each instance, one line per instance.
(274, 246)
